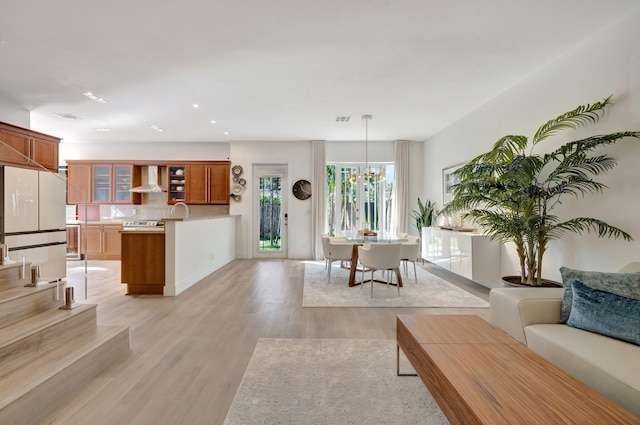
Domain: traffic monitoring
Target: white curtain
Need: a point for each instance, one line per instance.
(400, 199)
(318, 197)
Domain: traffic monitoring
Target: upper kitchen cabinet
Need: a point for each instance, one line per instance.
(78, 183)
(112, 182)
(176, 190)
(200, 183)
(102, 182)
(28, 148)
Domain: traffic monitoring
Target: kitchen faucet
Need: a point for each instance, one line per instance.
(186, 208)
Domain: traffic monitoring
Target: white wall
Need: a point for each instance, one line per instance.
(297, 155)
(606, 64)
(145, 151)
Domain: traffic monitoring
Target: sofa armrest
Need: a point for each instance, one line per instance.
(512, 309)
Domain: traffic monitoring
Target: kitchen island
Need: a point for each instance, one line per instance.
(170, 261)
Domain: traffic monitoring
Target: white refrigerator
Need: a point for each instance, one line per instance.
(33, 219)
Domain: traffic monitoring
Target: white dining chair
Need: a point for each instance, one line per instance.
(410, 252)
(380, 256)
(335, 249)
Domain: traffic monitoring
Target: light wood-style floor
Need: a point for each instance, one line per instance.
(189, 353)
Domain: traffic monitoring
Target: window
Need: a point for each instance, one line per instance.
(356, 201)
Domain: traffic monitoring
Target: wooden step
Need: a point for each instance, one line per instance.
(11, 275)
(33, 391)
(26, 340)
(20, 302)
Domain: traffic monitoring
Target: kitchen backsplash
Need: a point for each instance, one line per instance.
(154, 207)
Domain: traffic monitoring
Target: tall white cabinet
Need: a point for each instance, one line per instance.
(468, 254)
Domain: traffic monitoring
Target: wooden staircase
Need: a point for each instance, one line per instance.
(47, 354)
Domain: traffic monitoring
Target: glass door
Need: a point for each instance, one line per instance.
(270, 211)
(359, 198)
(102, 183)
(123, 177)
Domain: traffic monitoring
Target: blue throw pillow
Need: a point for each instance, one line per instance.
(623, 284)
(605, 313)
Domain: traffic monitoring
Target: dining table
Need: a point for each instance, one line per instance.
(357, 241)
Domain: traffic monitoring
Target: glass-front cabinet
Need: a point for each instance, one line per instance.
(111, 183)
(123, 176)
(102, 183)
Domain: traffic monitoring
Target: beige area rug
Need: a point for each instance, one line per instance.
(430, 291)
(330, 381)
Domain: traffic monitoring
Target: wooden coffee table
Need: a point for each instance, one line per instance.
(480, 375)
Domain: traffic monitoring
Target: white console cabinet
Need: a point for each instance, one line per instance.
(468, 254)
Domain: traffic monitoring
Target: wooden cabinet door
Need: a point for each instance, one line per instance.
(196, 184)
(15, 149)
(24, 147)
(219, 184)
(92, 237)
(111, 241)
(78, 183)
(45, 153)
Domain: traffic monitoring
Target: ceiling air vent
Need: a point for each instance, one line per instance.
(65, 116)
(343, 118)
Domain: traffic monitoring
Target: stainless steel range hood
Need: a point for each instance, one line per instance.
(152, 185)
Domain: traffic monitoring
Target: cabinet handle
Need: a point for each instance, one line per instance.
(208, 184)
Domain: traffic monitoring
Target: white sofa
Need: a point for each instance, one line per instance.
(610, 366)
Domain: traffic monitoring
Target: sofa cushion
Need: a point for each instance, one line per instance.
(604, 313)
(623, 284)
(609, 366)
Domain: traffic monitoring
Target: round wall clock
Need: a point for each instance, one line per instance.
(302, 189)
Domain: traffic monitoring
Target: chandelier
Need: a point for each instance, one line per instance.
(367, 173)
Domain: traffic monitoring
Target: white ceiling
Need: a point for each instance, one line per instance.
(276, 69)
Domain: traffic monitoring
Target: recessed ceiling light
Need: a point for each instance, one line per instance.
(103, 129)
(196, 106)
(343, 118)
(66, 116)
(156, 128)
(226, 132)
(213, 121)
(94, 97)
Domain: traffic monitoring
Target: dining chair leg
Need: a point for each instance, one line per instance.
(398, 285)
(415, 273)
(371, 283)
(362, 280)
(329, 271)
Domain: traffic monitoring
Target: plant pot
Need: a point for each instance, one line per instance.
(515, 281)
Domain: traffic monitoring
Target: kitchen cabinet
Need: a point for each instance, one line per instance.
(101, 241)
(177, 179)
(78, 183)
(143, 262)
(200, 184)
(28, 148)
(111, 184)
(103, 182)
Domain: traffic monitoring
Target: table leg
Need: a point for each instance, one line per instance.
(354, 266)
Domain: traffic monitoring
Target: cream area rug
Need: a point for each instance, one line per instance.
(430, 291)
(330, 382)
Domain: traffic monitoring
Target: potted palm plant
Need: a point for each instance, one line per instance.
(512, 192)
